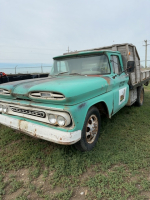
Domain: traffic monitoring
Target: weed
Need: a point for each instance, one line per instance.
(65, 195)
(2, 186)
(45, 173)
(34, 173)
(15, 185)
(32, 187)
(21, 198)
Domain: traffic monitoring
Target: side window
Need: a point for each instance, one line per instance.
(116, 64)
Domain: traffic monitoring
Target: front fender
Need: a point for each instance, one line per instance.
(79, 111)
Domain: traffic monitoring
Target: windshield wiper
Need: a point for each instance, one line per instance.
(61, 73)
(76, 74)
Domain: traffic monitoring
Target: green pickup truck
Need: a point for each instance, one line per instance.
(67, 106)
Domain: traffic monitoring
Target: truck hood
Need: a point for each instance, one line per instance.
(76, 89)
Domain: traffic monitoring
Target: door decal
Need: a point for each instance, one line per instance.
(122, 95)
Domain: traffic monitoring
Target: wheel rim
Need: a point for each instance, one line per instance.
(91, 129)
(141, 97)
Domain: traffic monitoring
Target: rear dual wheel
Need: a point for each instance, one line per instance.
(140, 96)
(91, 130)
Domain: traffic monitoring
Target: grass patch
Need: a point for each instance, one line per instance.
(15, 185)
(117, 168)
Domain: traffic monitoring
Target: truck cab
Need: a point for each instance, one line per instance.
(105, 65)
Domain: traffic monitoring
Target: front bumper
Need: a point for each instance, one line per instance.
(42, 132)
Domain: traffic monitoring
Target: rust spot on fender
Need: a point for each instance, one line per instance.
(82, 105)
(107, 79)
(65, 107)
(104, 77)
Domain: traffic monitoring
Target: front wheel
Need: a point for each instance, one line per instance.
(90, 131)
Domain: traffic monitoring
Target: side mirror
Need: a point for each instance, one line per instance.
(130, 66)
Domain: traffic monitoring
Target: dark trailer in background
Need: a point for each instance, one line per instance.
(18, 77)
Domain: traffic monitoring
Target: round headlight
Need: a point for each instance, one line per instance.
(1, 108)
(52, 119)
(61, 120)
(4, 109)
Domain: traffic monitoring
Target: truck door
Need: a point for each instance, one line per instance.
(120, 86)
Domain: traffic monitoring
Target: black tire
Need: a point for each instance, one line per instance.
(146, 84)
(88, 138)
(140, 96)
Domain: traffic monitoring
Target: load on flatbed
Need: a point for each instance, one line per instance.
(67, 106)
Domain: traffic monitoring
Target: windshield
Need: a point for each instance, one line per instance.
(82, 65)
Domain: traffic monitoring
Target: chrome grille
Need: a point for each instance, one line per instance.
(36, 113)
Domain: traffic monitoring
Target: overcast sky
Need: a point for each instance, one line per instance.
(34, 31)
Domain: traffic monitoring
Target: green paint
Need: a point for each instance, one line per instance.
(81, 92)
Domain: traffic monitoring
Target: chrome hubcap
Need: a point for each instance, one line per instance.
(91, 129)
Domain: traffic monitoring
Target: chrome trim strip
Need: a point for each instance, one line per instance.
(25, 105)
